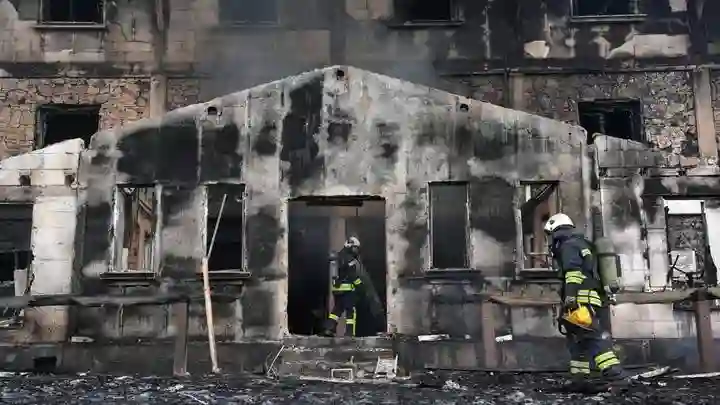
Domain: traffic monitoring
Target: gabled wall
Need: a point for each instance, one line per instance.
(320, 134)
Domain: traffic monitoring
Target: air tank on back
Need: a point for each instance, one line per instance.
(608, 263)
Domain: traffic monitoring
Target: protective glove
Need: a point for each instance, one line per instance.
(570, 303)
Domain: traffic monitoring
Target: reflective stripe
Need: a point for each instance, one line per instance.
(357, 281)
(333, 317)
(352, 321)
(579, 367)
(344, 287)
(574, 277)
(585, 252)
(589, 297)
(606, 360)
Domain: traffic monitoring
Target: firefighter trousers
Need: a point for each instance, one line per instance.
(592, 348)
(344, 305)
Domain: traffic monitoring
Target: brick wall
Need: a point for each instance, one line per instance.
(122, 101)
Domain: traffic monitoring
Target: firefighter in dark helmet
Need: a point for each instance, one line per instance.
(344, 288)
(583, 297)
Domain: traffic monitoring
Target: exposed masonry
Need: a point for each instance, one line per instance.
(121, 101)
(715, 83)
(362, 134)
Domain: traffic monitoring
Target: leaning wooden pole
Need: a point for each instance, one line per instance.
(206, 290)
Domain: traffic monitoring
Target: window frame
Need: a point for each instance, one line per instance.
(431, 255)
(43, 111)
(523, 194)
(42, 23)
(636, 102)
(204, 228)
(457, 17)
(636, 16)
(251, 24)
(118, 239)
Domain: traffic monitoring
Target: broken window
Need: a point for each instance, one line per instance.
(586, 8)
(136, 223)
(617, 118)
(419, 11)
(449, 224)
(541, 200)
(15, 257)
(72, 12)
(248, 11)
(225, 208)
(60, 122)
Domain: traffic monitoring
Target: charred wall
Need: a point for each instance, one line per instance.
(321, 133)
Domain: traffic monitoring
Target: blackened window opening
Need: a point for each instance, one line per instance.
(425, 10)
(15, 254)
(448, 224)
(604, 7)
(248, 11)
(60, 122)
(73, 11)
(227, 252)
(617, 118)
(138, 208)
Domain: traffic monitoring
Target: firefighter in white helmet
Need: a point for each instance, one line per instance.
(583, 296)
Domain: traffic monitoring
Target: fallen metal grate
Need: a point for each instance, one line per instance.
(386, 368)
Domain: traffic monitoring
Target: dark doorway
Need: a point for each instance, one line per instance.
(317, 227)
(60, 122)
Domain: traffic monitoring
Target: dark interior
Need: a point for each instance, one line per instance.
(617, 118)
(310, 244)
(73, 11)
(59, 123)
(228, 250)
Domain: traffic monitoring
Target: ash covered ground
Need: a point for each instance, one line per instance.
(458, 389)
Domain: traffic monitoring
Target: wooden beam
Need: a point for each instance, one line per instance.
(105, 300)
(180, 321)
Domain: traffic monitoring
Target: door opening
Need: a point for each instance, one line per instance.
(319, 226)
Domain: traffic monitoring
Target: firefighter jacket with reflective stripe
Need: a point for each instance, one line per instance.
(348, 273)
(575, 256)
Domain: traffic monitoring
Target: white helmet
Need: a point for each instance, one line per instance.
(556, 221)
(352, 242)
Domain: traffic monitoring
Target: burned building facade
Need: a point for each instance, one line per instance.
(640, 72)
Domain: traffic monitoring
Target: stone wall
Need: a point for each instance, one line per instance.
(121, 101)
(667, 100)
(715, 84)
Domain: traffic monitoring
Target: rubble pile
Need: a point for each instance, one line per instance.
(451, 388)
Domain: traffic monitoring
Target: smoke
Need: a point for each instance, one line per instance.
(311, 35)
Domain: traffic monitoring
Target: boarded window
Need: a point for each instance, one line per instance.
(617, 118)
(583, 8)
(541, 200)
(72, 11)
(248, 11)
(418, 11)
(136, 226)
(449, 224)
(228, 250)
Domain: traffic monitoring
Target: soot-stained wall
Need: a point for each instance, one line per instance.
(324, 133)
(631, 192)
